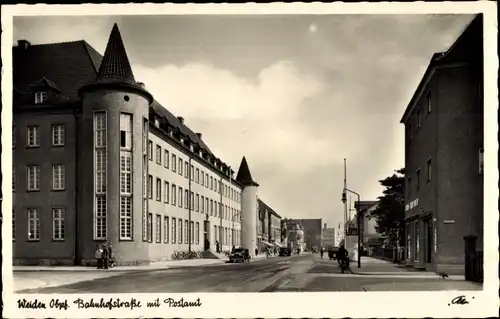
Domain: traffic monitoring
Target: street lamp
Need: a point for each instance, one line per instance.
(358, 217)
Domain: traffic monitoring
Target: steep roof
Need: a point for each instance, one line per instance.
(244, 176)
(115, 69)
(68, 66)
(467, 47)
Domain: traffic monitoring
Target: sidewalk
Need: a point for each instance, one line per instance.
(35, 277)
(424, 286)
(156, 265)
(377, 267)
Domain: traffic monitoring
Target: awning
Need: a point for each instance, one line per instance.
(277, 245)
(267, 243)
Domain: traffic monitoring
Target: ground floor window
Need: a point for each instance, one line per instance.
(197, 231)
(165, 228)
(33, 224)
(57, 223)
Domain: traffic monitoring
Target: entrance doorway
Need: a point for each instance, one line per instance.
(428, 240)
(206, 235)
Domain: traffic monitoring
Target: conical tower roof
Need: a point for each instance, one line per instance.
(115, 70)
(115, 65)
(244, 177)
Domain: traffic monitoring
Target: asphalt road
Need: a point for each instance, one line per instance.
(303, 273)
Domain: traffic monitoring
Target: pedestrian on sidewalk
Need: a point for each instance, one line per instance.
(98, 256)
(105, 257)
(217, 249)
(111, 255)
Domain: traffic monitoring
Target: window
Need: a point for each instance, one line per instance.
(211, 207)
(100, 217)
(429, 103)
(125, 131)
(180, 197)
(126, 217)
(145, 131)
(158, 189)
(57, 224)
(150, 227)
(166, 158)
(179, 233)
(174, 230)
(418, 179)
(33, 224)
(58, 135)
(202, 203)
(481, 161)
(202, 178)
(33, 178)
(207, 205)
(192, 232)
(206, 180)
(174, 194)
(192, 172)
(186, 169)
(150, 186)
(409, 186)
(150, 150)
(126, 172)
(33, 136)
(58, 177)
(197, 175)
(429, 170)
(197, 202)
(158, 154)
(166, 190)
(165, 229)
(197, 231)
(40, 97)
(186, 232)
(174, 163)
(215, 233)
(158, 229)
(180, 166)
(186, 199)
(13, 225)
(191, 207)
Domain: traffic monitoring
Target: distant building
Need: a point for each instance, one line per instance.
(269, 227)
(329, 237)
(443, 156)
(312, 230)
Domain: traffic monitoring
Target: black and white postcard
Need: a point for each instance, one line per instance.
(250, 161)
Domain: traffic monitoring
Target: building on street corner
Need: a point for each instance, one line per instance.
(97, 159)
(312, 229)
(443, 156)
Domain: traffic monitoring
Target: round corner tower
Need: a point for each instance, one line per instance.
(115, 113)
(249, 207)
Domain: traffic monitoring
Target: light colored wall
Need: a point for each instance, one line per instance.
(249, 214)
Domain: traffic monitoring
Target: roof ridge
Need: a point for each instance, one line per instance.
(87, 47)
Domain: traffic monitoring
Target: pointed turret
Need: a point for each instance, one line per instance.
(244, 177)
(115, 71)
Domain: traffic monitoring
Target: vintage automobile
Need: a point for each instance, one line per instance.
(285, 251)
(239, 255)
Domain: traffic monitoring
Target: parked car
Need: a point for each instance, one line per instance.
(284, 251)
(239, 255)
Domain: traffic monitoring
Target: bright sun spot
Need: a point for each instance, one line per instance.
(312, 28)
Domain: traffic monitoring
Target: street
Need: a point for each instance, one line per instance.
(302, 273)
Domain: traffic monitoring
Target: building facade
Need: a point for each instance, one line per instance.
(443, 156)
(329, 237)
(268, 230)
(98, 160)
(312, 230)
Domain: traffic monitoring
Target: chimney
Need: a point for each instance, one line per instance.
(24, 44)
(181, 119)
(199, 135)
(142, 85)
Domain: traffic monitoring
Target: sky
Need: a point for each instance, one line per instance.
(295, 94)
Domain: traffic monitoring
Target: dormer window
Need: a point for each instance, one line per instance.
(191, 148)
(40, 97)
(157, 122)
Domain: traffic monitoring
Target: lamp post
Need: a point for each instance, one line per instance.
(359, 220)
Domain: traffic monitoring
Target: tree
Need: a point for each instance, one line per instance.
(284, 231)
(390, 212)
